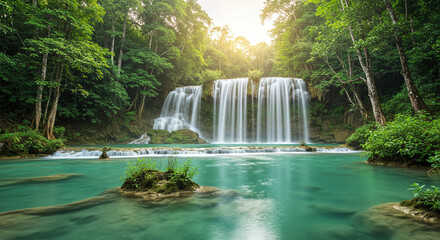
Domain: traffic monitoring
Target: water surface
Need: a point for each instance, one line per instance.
(276, 196)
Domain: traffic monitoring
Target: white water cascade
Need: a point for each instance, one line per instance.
(281, 115)
(180, 110)
(230, 109)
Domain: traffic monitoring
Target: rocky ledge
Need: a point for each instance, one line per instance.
(393, 221)
(182, 136)
(154, 196)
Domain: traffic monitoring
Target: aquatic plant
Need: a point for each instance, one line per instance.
(146, 175)
(426, 199)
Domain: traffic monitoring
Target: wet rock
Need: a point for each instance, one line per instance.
(390, 221)
(57, 177)
(86, 203)
(182, 136)
(151, 196)
(158, 136)
(104, 154)
(332, 211)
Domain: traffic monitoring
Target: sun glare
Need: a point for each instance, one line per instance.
(242, 17)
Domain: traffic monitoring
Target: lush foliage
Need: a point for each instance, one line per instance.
(359, 137)
(145, 175)
(406, 139)
(428, 199)
(326, 42)
(97, 60)
(28, 142)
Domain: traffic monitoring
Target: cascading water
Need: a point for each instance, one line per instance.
(271, 111)
(281, 111)
(302, 98)
(180, 110)
(281, 101)
(230, 109)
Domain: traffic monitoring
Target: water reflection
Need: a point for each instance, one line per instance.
(273, 196)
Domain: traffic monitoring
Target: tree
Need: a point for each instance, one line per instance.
(68, 44)
(358, 19)
(416, 99)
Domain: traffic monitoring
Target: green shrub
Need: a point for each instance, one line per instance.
(360, 135)
(145, 175)
(427, 199)
(406, 139)
(435, 162)
(59, 132)
(28, 142)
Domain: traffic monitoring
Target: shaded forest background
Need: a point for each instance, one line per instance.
(101, 63)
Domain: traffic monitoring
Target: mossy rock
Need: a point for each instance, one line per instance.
(182, 136)
(159, 182)
(104, 154)
(158, 136)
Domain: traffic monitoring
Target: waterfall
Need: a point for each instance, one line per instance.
(281, 100)
(180, 110)
(302, 97)
(273, 110)
(281, 111)
(230, 110)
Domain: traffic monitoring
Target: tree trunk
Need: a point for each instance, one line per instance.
(39, 97)
(112, 50)
(371, 85)
(48, 128)
(359, 102)
(142, 104)
(417, 102)
(368, 70)
(121, 50)
(46, 109)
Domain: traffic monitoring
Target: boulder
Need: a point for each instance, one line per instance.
(392, 221)
(104, 154)
(158, 136)
(182, 136)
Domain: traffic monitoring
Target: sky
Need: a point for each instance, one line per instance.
(242, 17)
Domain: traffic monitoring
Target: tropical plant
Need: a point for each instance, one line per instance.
(28, 142)
(427, 199)
(406, 139)
(145, 175)
(359, 137)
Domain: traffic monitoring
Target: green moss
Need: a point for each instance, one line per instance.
(182, 136)
(158, 136)
(144, 175)
(28, 142)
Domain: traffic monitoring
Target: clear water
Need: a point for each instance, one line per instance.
(277, 196)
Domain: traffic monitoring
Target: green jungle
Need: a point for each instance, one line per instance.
(96, 74)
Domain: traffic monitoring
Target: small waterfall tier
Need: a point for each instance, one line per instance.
(278, 111)
(282, 110)
(230, 109)
(180, 110)
(69, 153)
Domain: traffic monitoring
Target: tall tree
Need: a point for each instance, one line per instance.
(359, 19)
(416, 99)
(70, 46)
